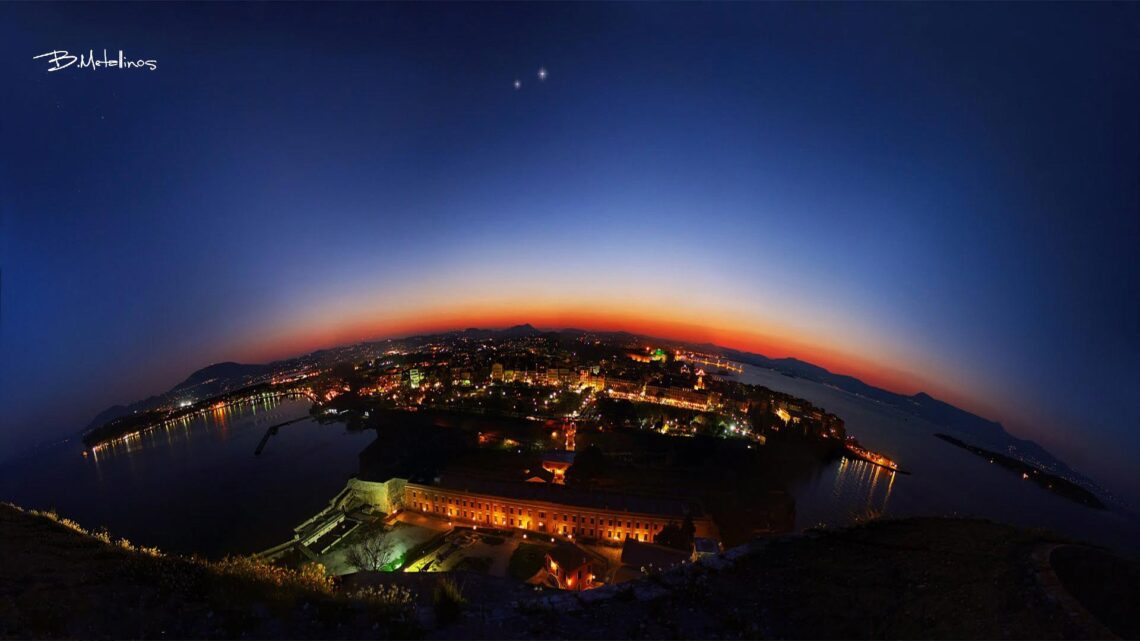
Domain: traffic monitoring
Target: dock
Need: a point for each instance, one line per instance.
(272, 431)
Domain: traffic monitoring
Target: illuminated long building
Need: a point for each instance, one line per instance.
(534, 507)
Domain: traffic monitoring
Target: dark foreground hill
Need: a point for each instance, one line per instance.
(916, 578)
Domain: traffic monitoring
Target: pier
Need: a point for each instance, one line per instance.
(272, 431)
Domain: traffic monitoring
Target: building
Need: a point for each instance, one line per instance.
(570, 568)
(618, 386)
(651, 555)
(704, 546)
(538, 475)
(673, 396)
(595, 381)
(557, 462)
(497, 372)
(639, 559)
(547, 508)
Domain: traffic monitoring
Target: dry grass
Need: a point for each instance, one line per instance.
(448, 600)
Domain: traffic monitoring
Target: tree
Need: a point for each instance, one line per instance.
(678, 537)
(589, 464)
(372, 554)
(688, 531)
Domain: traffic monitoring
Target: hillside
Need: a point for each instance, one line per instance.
(917, 578)
(220, 373)
(209, 381)
(58, 581)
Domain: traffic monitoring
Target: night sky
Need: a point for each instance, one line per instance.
(931, 197)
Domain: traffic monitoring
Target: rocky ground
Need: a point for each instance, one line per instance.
(914, 578)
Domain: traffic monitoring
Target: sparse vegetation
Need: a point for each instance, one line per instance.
(378, 552)
(395, 602)
(448, 600)
(678, 537)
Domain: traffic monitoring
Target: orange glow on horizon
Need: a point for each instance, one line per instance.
(694, 327)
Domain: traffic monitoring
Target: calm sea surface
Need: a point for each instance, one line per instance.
(945, 480)
(198, 486)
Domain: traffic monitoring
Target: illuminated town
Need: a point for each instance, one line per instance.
(569, 320)
(574, 444)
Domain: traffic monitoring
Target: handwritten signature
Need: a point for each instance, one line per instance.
(62, 59)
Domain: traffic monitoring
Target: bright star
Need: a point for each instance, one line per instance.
(542, 73)
(518, 84)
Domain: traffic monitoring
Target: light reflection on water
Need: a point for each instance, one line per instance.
(864, 482)
(945, 480)
(195, 484)
(256, 411)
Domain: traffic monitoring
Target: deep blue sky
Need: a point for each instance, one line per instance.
(937, 197)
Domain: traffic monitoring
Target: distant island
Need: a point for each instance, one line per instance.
(1047, 481)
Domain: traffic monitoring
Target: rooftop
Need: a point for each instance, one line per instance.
(564, 495)
(568, 555)
(638, 554)
(560, 456)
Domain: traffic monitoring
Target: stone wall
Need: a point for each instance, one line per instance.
(386, 496)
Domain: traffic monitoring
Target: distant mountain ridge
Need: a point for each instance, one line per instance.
(208, 381)
(984, 431)
(220, 371)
